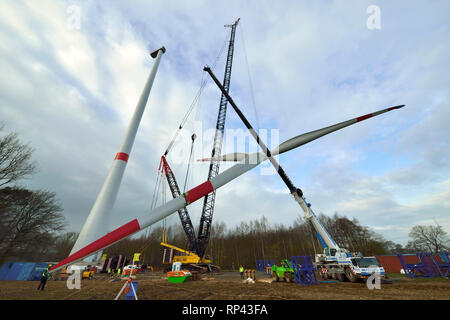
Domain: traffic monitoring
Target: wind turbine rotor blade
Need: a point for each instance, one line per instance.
(305, 137)
(313, 135)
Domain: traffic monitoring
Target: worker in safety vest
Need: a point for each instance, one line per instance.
(118, 272)
(241, 271)
(44, 277)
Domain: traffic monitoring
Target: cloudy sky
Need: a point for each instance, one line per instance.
(72, 72)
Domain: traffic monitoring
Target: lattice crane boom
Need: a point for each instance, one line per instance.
(183, 212)
(209, 200)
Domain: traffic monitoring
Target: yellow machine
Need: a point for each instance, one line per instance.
(186, 257)
(189, 260)
(88, 274)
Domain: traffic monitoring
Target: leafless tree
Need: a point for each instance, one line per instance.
(62, 245)
(428, 238)
(28, 219)
(15, 159)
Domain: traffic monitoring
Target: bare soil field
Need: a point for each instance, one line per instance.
(228, 286)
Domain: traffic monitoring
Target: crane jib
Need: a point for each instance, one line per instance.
(209, 200)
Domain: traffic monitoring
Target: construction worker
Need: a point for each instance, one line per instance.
(44, 277)
(241, 271)
(118, 272)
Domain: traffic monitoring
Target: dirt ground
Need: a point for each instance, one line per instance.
(228, 286)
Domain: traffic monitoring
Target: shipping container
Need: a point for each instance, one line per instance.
(391, 263)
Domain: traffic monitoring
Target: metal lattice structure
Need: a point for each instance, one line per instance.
(413, 270)
(209, 200)
(183, 213)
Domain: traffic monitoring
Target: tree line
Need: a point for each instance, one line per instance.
(259, 240)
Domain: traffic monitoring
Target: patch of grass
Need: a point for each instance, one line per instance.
(395, 275)
(403, 277)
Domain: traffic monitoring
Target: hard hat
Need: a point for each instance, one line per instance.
(49, 265)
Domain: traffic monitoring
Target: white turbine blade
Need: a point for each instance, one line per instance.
(303, 138)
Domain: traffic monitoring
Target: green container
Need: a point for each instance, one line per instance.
(178, 278)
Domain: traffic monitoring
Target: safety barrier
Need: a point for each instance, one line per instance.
(265, 266)
(411, 270)
(445, 257)
(304, 270)
(433, 267)
(428, 267)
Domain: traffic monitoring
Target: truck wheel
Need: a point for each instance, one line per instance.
(341, 277)
(350, 275)
(288, 277)
(275, 276)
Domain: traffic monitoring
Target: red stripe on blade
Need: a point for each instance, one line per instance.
(199, 191)
(111, 237)
(121, 156)
(367, 116)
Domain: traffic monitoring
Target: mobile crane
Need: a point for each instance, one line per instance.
(338, 261)
(335, 262)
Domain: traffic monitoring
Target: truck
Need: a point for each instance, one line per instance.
(285, 271)
(335, 262)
